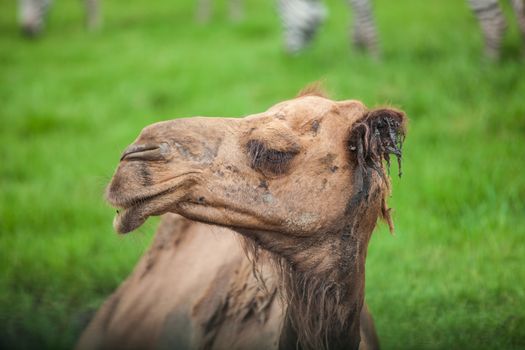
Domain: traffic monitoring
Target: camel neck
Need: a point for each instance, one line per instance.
(322, 279)
(324, 305)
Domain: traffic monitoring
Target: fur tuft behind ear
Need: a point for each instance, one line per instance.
(313, 89)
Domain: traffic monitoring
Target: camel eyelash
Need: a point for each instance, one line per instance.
(264, 159)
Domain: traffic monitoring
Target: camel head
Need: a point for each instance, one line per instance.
(295, 171)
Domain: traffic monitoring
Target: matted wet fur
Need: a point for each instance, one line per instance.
(373, 140)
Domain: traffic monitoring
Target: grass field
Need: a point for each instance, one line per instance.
(453, 276)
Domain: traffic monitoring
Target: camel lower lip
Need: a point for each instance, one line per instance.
(132, 217)
(129, 219)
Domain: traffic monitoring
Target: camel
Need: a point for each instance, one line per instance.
(265, 227)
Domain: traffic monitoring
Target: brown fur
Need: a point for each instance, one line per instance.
(313, 89)
(302, 185)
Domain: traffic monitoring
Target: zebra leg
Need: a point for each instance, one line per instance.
(493, 25)
(92, 13)
(204, 9)
(236, 10)
(519, 10)
(32, 15)
(300, 20)
(365, 32)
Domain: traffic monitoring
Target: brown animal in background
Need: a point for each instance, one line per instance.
(295, 192)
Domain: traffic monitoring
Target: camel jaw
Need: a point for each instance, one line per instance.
(134, 210)
(130, 217)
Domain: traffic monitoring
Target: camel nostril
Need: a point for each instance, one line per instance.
(142, 152)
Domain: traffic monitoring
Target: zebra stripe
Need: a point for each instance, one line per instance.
(300, 20)
(365, 32)
(32, 15)
(492, 22)
(519, 11)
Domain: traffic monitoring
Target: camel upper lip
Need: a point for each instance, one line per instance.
(120, 201)
(139, 200)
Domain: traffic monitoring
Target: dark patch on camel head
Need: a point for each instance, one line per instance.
(315, 127)
(232, 168)
(280, 115)
(268, 160)
(145, 175)
(328, 159)
(263, 184)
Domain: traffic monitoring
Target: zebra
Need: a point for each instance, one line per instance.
(493, 23)
(204, 10)
(301, 19)
(32, 15)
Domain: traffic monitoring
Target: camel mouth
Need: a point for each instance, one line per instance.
(132, 212)
(130, 218)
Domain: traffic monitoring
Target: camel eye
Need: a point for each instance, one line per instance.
(268, 160)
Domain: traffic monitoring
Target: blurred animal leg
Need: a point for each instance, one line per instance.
(204, 9)
(300, 20)
(493, 25)
(92, 13)
(519, 11)
(365, 32)
(236, 10)
(32, 15)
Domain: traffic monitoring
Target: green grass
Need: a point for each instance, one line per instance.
(453, 276)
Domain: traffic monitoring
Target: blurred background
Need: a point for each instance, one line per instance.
(72, 99)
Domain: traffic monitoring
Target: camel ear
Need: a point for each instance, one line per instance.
(376, 135)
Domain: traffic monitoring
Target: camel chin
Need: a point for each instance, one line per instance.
(131, 217)
(128, 220)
